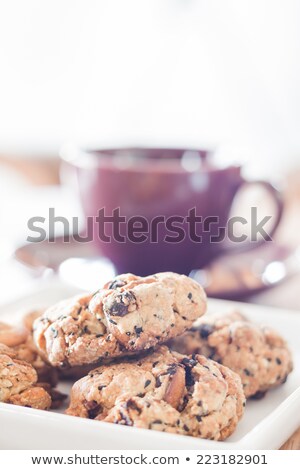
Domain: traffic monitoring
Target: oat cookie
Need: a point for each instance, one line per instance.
(18, 382)
(24, 350)
(165, 391)
(129, 314)
(258, 354)
(21, 340)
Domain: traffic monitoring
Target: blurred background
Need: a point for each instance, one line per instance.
(187, 73)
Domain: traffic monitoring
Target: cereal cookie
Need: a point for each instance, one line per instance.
(127, 315)
(18, 381)
(165, 391)
(258, 354)
(25, 350)
(20, 339)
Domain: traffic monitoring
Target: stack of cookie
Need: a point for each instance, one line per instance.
(144, 361)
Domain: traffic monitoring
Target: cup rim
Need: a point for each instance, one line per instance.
(91, 156)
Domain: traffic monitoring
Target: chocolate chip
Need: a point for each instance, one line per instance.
(120, 304)
(188, 362)
(186, 428)
(93, 408)
(278, 361)
(148, 382)
(112, 321)
(157, 421)
(247, 372)
(172, 369)
(188, 365)
(129, 296)
(132, 404)
(190, 295)
(189, 379)
(116, 283)
(118, 309)
(99, 335)
(138, 330)
(125, 419)
(198, 418)
(100, 387)
(205, 330)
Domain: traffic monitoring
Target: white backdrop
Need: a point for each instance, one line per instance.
(185, 72)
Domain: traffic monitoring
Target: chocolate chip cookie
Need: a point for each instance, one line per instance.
(258, 354)
(18, 382)
(165, 391)
(129, 314)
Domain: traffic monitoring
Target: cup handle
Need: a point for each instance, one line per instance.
(277, 198)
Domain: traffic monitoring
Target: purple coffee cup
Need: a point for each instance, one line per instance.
(143, 206)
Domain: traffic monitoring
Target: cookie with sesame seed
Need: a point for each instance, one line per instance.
(164, 391)
(128, 315)
(19, 338)
(18, 382)
(69, 335)
(258, 354)
(142, 312)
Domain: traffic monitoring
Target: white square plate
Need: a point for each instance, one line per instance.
(267, 423)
